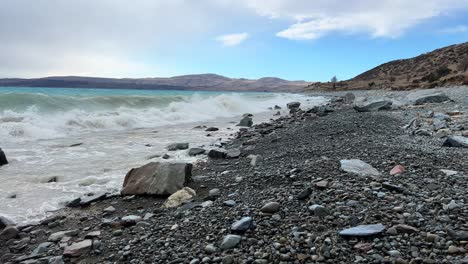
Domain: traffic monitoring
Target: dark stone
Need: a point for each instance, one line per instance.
(246, 121)
(304, 194)
(216, 154)
(4, 222)
(87, 200)
(3, 159)
(233, 153)
(277, 107)
(75, 145)
(242, 225)
(375, 106)
(8, 233)
(178, 146)
(293, 105)
(166, 156)
(196, 151)
(432, 98)
(212, 129)
(456, 141)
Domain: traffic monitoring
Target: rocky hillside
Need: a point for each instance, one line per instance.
(441, 67)
(211, 82)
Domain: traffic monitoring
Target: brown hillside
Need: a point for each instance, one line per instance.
(441, 67)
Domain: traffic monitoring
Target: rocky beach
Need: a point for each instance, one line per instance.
(371, 177)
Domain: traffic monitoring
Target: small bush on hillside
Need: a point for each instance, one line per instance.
(371, 84)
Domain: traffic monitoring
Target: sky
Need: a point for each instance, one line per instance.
(311, 40)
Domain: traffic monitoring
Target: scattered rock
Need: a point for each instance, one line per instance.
(230, 241)
(196, 151)
(363, 230)
(233, 153)
(246, 121)
(270, 208)
(456, 141)
(398, 169)
(432, 98)
(180, 197)
(8, 233)
(293, 105)
(177, 146)
(358, 167)
(157, 178)
(78, 249)
(375, 106)
(216, 154)
(244, 224)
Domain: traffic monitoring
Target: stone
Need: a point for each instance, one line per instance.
(402, 228)
(304, 194)
(93, 234)
(277, 107)
(214, 192)
(4, 222)
(363, 230)
(233, 153)
(157, 178)
(206, 204)
(229, 203)
(242, 225)
(432, 98)
(349, 98)
(109, 209)
(3, 159)
(180, 197)
(454, 250)
(177, 146)
(433, 238)
(270, 208)
(293, 105)
(57, 236)
(456, 141)
(449, 172)
(363, 247)
(210, 249)
(79, 248)
(323, 184)
(212, 129)
(318, 210)
(196, 151)
(56, 260)
(8, 233)
(398, 169)
(230, 241)
(216, 154)
(394, 253)
(166, 156)
(255, 160)
(41, 248)
(87, 200)
(246, 121)
(359, 167)
(374, 106)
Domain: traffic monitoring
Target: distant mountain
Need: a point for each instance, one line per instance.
(210, 82)
(441, 67)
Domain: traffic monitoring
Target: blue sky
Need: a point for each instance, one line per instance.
(293, 39)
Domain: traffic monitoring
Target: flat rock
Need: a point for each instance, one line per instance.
(456, 141)
(212, 129)
(359, 167)
(270, 208)
(230, 241)
(8, 233)
(78, 249)
(374, 106)
(432, 98)
(57, 236)
(216, 154)
(363, 230)
(157, 178)
(244, 224)
(196, 151)
(233, 153)
(177, 146)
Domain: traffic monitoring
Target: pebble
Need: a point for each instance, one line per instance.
(270, 208)
(230, 241)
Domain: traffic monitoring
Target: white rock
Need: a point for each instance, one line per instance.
(359, 167)
(180, 197)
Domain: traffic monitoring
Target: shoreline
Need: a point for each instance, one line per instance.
(301, 152)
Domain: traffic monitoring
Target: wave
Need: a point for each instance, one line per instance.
(42, 116)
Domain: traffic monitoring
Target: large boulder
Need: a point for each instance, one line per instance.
(3, 159)
(4, 222)
(432, 98)
(375, 106)
(157, 178)
(456, 141)
(246, 121)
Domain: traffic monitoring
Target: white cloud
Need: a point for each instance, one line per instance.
(454, 30)
(232, 39)
(383, 18)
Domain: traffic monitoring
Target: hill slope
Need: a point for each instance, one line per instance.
(210, 82)
(441, 67)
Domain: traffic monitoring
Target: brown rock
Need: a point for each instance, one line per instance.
(323, 184)
(398, 169)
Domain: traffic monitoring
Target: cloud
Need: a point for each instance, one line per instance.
(385, 18)
(232, 39)
(455, 29)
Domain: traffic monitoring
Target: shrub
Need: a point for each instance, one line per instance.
(371, 84)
